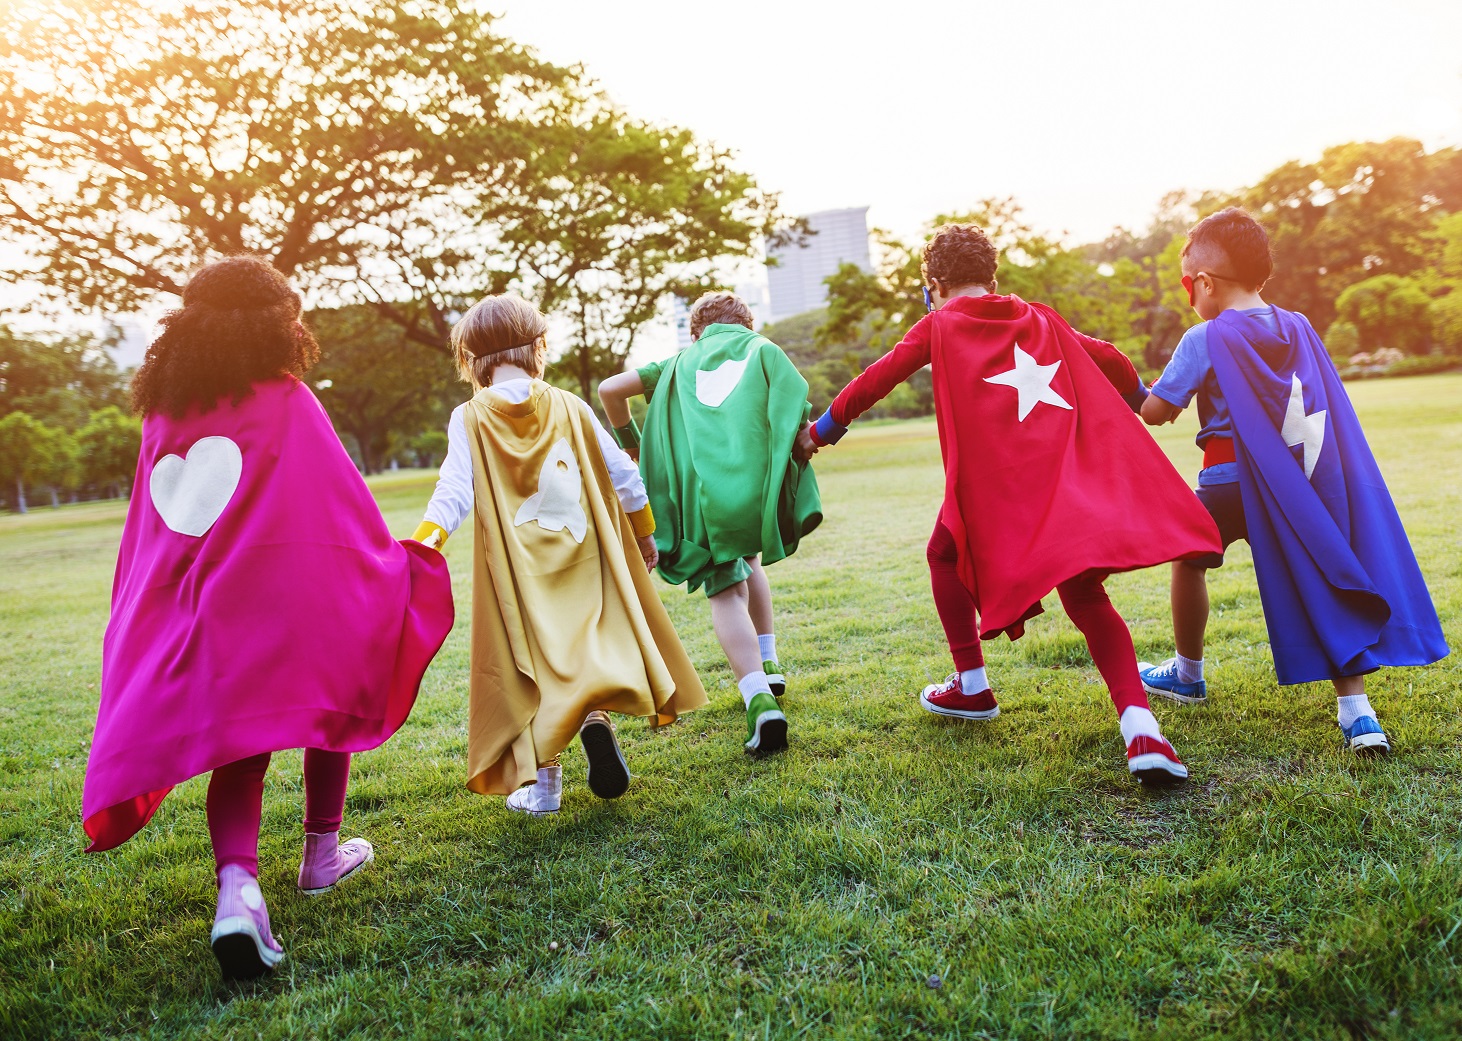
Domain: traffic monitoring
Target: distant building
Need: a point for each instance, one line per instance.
(795, 282)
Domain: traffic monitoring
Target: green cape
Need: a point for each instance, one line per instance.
(716, 455)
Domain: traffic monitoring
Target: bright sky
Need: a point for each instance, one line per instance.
(1087, 112)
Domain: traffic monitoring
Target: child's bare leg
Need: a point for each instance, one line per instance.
(759, 591)
(1363, 733)
(1189, 595)
(731, 618)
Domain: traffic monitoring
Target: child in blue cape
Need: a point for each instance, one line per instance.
(1286, 467)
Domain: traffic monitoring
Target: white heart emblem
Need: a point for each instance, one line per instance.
(713, 386)
(190, 494)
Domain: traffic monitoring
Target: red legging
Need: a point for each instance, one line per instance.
(236, 799)
(1086, 604)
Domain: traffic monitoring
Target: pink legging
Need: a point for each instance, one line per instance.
(1086, 604)
(236, 800)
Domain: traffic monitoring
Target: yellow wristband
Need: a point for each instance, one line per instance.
(429, 534)
(643, 522)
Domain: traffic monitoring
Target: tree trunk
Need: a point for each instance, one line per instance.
(19, 496)
(55, 500)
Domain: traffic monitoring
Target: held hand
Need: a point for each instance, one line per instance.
(805, 447)
(649, 552)
(633, 452)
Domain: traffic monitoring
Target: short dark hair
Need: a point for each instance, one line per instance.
(718, 309)
(961, 255)
(1236, 241)
(239, 324)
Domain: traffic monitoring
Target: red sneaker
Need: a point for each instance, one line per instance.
(1152, 761)
(948, 699)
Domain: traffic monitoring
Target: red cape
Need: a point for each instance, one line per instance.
(1064, 491)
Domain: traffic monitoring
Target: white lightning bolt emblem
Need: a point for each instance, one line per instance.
(1300, 429)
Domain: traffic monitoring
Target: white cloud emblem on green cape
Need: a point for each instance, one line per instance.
(713, 386)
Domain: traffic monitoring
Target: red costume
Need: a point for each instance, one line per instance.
(1051, 482)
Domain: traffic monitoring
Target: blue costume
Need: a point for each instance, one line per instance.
(1341, 588)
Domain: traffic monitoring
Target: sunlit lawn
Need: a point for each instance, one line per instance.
(892, 875)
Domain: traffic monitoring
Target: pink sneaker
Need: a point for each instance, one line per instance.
(327, 861)
(242, 942)
(1153, 761)
(949, 699)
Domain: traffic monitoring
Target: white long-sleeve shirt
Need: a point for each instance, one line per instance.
(452, 501)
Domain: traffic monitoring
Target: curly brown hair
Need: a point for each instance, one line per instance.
(239, 324)
(961, 255)
(718, 309)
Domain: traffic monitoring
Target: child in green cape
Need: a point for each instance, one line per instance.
(716, 455)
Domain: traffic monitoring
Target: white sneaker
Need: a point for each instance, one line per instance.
(542, 797)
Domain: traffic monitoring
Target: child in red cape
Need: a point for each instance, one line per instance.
(1050, 482)
(259, 603)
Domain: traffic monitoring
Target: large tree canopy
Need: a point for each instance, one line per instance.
(404, 155)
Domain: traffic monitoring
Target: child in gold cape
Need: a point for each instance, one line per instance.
(566, 624)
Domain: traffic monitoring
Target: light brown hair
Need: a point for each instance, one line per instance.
(961, 255)
(718, 309)
(499, 330)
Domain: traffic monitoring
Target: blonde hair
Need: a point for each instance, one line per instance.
(718, 308)
(499, 330)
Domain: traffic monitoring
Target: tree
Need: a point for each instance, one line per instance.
(58, 380)
(1388, 311)
(1362, 209)
(23, 451)
(403, 155)
(61, 466)
(109, 444)
(379, 385)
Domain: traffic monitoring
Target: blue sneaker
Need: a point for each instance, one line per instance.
(1365, 737)
(1162, 681)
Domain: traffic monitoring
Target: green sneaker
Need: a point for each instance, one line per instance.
(766, 727)
(775, 679)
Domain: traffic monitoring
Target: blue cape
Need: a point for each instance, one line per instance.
(1341, 588)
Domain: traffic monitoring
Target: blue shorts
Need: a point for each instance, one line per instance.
(1225, 504)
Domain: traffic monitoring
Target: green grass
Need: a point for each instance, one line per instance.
(892, 875)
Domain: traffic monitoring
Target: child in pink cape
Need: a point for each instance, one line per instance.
(259, 602)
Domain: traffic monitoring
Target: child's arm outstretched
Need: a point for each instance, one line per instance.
(451, 502)
(614, 395)
(628, 485)
(866, 389)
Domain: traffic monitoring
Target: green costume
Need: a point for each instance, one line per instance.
(716, 456)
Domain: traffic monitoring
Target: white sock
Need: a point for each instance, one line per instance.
(1189, 671)
(752, 684)
(1351, 708)
(973, 681)
(1139, 722)
(768, 644)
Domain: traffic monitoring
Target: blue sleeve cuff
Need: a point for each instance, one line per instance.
(1137, 397)
(829, 431)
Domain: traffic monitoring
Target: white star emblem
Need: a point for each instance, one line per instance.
(1032, 382)
(1300, 429)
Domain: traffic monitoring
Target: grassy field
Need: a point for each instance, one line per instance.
(892, 875)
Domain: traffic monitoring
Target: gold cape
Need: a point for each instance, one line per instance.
(565, 618)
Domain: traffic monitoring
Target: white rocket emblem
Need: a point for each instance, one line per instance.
(713, 386)
(555, 506)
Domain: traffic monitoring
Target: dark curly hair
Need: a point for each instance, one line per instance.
(961, 255)
(239, 324)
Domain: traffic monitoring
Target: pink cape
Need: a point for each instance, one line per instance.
(294, 620)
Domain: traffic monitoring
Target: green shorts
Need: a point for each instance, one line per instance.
(718, 578)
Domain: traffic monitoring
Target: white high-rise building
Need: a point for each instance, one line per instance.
(795, 282)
